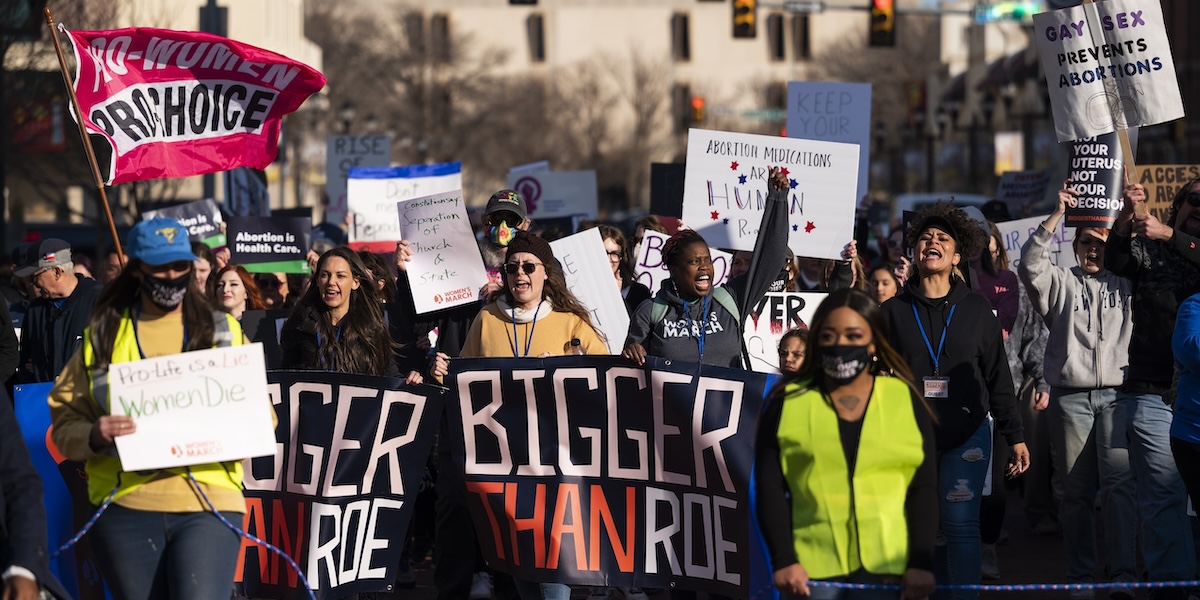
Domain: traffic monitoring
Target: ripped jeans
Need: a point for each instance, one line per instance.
(961, 472)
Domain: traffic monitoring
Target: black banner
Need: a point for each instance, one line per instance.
(592, 471)
(270, 244)
(1096, 171)
(202, 219)
(336, 496)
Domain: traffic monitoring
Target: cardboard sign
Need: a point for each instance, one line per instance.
(651, 271)
(590, 277)
(202, 219)
(343, 152)
(1097, 173)
(774, 315)
(726, 190)
(834, 112)
(552, 194)
(446, 267)
(1019, 189)
(193, 408)
(372, 194)
(1162, 183)
(1016, 233)
(1108, 66)
(246, 193)
(270, 244)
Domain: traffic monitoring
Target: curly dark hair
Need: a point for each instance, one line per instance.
(673, 248)
(1178, 200)
(968, 237)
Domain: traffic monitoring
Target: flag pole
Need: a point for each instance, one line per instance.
(87, 143)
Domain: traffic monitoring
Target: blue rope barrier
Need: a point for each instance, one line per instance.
(86, 526)
(1027, 587)
(253, 538)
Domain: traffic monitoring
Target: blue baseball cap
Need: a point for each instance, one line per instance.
(159, 241)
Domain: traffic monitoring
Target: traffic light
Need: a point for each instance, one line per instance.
(697, 109)
(883, 24)
(743, 19)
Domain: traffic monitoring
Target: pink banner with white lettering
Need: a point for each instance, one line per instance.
(182, 103)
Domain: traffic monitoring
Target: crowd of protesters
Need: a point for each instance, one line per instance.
(930, 379)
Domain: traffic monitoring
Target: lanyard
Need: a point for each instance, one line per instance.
(134, 311)
(528, 338)
(941, 344)
(703, 325)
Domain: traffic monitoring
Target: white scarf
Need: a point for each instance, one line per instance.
(522, 315)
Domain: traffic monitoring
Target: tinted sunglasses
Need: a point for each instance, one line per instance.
(529, 268)
(1193, 198)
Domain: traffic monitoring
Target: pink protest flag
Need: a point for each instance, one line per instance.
(183, 103)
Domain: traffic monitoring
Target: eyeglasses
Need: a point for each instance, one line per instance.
(495, 219)
(1193, 198)
(529, 268)
(895, 243)
(699, 261)
(614, 256)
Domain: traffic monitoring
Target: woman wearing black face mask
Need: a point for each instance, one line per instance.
(846, 482)
(153, 308)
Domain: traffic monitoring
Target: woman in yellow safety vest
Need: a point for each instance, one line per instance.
(158, 538)
(846, 486)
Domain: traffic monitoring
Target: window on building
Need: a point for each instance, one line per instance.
(800, 42)
(681, 106)
(776, 49)
(439, 37)
(681, 43)
(414, 30)
(535, 29)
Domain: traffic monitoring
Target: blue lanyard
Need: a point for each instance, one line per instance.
(703, 324)
(941, 344)
(528, 338)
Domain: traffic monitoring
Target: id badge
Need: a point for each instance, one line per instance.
(937, 387)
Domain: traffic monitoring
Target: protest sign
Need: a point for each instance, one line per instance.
(1016, 233)
(183, 103)
(372, 194)
(1108, 66)
(270, 244)
(446, 268)
(246, 193)
(589, 470)
(651, 270)
(193, 408)
(202, 219)
(725, 191)
(1018, 189)
(666, 188)
(776, 314)
(1097, 172)
(1162, 183)
(552, 194)
(336, 492)
(589, 276)
(833, 112)
(342, 152)
(64, 494)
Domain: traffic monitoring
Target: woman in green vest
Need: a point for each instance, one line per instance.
(158, 538)
(846, 481)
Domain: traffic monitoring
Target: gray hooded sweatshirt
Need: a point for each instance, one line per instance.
(1090, 318)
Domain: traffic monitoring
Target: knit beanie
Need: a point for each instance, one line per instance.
(535, 245)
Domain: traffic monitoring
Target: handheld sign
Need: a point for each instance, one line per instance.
(270, 244)
(1018, 189)
(1097, 173)
(1162, 183)
(589, 276)
(446, 267)
(776, 314)
(372, 194)
(651, 270)
(193, 408)
(725, 190)
(834, 112)
(555, 194)
(343, 152)
(1016, 233)
(202, 219)
(1108, 66)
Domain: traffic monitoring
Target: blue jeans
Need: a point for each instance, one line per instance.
(146, 555)
(1088, 431)
(532, 590)
(860, 576)
(961, 472)
(1167, 546)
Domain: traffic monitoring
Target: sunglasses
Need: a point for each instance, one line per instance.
(1193, 198)
(495, 219)
(529, 268)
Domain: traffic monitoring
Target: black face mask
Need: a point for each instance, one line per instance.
(842, 364)
(166, 294)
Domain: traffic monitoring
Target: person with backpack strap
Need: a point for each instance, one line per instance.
(691, 319)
